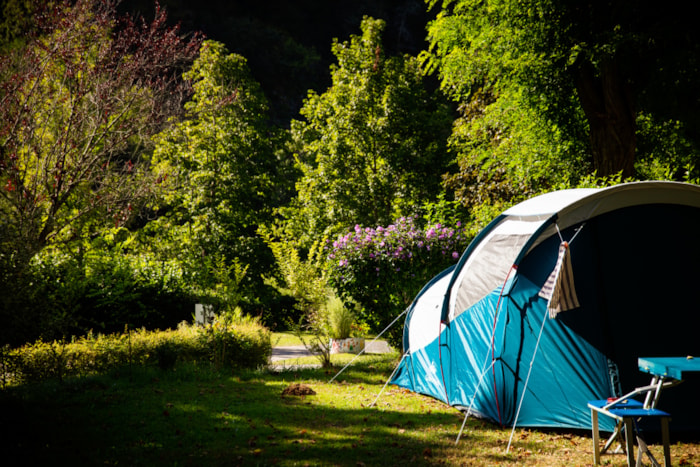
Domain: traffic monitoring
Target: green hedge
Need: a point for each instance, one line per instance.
(226, 343)
(58, 295)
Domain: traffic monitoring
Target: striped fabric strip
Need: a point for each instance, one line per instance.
(559, 289)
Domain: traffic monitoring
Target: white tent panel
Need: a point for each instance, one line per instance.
(426, 326)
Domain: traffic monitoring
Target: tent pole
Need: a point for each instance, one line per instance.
(484, 368)
(529, 371)
(471, 404)
(466, 416)
(363, 350)
(387, 381)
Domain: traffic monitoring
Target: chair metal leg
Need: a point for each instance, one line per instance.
(666, 441)
(629, 441)
(596, 445)
(615, 436)
(642, 449)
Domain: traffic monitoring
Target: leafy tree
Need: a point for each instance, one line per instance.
(584, 68)
(373, 146)
(223, 171)
(78, 104)
(286, 43)
(81, 93)
(508, 151)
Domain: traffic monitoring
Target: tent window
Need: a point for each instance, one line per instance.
(488, 265)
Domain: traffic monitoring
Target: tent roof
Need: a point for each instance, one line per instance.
(576, 205)
(488, 260)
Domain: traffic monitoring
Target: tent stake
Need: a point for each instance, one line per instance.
(363, 350)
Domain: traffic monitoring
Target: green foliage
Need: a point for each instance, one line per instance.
(15, 21)
(79, 101)
(102, 289)
(306, 281)
(556, 89)
(223, 174)
(302, 278)
(510, 141)
(666, 151)
(219, 285)
(372, 146)
(507, 151)
(444, 211)
(232, 342)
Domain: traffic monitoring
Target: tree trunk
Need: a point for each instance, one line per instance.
(608, 104)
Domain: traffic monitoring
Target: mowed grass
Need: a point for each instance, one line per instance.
(285, 339)
(199, 417)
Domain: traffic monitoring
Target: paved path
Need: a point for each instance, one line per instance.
(297, 351)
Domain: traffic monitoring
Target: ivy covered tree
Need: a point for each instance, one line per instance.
(224, 172)
(372, 147)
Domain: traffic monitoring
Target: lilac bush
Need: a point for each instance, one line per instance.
(383, 268)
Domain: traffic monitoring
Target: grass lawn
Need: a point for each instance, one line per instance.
(199, 417)
(285, 339)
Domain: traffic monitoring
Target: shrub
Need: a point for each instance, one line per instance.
(247, 345)
(383, 268)
(234, 340)
(63, 296)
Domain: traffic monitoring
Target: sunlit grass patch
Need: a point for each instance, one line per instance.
(200, 417)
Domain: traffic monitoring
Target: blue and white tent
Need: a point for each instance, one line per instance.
(553, 302)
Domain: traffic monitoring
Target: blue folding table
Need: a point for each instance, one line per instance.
(665, 373)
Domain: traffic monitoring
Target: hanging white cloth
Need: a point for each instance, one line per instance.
(559, 287)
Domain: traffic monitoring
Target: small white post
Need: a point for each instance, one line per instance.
(203, 313)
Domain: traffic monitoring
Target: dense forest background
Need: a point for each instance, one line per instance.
(287, 44)
(275, 157)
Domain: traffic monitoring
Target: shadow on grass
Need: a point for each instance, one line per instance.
(198, 417)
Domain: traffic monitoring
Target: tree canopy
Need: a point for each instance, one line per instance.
(372, 147)
(171, 161)
(224, 169)
(593, 67)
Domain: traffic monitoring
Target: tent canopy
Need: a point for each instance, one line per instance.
(474, 331)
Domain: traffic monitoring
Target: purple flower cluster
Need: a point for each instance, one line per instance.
(402, 244)
(383, 268)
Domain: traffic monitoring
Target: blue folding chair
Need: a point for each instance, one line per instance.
(627, 413)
